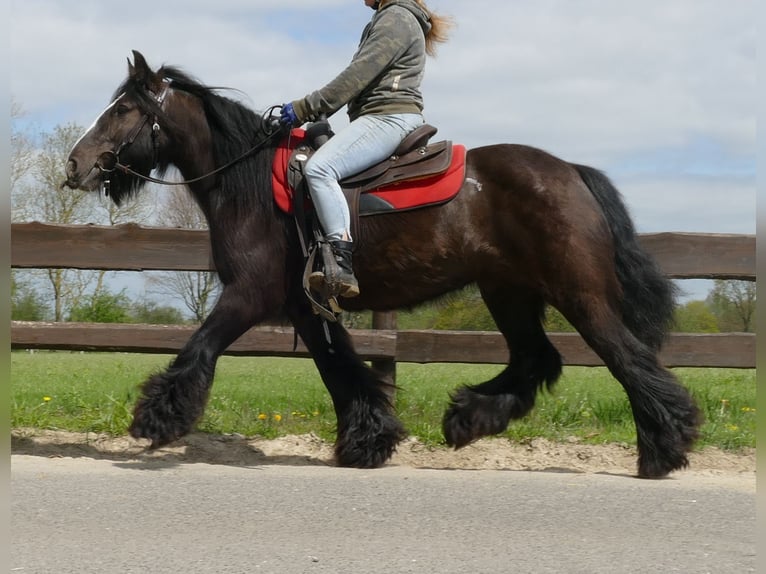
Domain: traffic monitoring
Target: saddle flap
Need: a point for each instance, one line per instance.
(423, 161)
(298, 157)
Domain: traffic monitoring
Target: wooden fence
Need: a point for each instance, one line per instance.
(137, 248)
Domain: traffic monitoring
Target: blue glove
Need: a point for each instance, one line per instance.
(287, 116)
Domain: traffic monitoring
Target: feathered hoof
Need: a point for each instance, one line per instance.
(660, 454)
(156, 416)
(653, 468)
(367, 438)
(149, 423)
(471, 416)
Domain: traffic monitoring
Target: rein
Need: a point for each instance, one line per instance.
(269, 124)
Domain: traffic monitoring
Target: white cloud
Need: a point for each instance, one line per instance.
(595, 82)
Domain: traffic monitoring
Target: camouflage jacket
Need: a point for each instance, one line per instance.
(385, 73)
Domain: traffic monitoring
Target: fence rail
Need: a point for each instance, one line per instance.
(137, 248)
(733, 350)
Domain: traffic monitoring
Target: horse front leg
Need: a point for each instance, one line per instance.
(368, 429)
(172, 401)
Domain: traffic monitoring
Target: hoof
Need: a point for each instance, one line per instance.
(159, 430)
(367, 438)
(471, 416)
(660, 468)
(161, 416)
(664, 448)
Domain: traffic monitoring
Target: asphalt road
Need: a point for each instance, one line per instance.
(100, 516)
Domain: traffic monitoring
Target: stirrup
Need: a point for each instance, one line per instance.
(318, 283)
(323, 303)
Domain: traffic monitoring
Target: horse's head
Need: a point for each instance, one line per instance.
(163, 117)
(126, 134)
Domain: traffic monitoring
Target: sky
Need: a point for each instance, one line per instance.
(659, 94)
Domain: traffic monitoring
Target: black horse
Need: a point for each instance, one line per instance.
(528, 228)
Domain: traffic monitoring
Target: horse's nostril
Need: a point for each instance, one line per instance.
(71, 167)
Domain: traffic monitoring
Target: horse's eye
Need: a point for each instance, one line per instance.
(122, 109)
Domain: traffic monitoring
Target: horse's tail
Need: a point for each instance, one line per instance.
(649, 296)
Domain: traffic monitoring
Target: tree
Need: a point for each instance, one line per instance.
(26, 303)
(152, 313)
(21, 147)
(695, 317)
(198, 290)
(102, 307)
(40, 198)
(109, 307)
(37, 196)
(733, 304)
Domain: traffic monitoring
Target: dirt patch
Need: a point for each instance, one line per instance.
(308, 449)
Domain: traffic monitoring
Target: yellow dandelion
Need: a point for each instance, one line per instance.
(47, 399)
(262, 417)
(732, 427)
(315, 413)
(277, 417)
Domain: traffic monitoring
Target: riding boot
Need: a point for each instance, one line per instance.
(338, 275)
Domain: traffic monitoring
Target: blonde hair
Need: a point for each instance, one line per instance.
(440, 27)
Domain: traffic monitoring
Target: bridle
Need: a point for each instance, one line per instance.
(109, 161)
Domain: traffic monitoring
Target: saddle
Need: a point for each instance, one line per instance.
(413, 159)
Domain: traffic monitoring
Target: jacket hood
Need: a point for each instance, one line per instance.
(419, 13)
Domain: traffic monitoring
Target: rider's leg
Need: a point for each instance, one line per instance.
(366, 141)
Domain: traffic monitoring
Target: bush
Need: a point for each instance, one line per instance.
(153, 313)
(26, 303)
(104, 307)
(695, 317)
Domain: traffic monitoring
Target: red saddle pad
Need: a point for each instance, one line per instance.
(402, 195)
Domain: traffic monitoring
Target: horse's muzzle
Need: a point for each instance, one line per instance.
(76, 180)
(72, 181)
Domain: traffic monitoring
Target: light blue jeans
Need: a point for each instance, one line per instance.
(366, 141)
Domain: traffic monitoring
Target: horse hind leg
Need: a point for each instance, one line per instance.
(486, 409)
(666, 417)
(625, 321)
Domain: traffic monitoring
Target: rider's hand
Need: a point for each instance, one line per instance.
(287, 116)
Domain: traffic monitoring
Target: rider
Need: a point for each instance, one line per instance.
(381, 86)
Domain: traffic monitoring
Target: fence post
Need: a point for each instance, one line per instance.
(387, 321)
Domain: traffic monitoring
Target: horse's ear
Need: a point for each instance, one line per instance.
(139, 71)
(140, 67)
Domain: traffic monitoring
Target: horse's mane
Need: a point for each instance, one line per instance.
(246, 185)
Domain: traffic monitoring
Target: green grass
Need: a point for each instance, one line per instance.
(270, 397)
